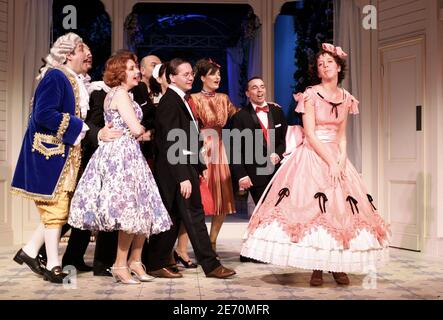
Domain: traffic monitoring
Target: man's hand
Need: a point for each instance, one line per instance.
(275, 158)
(245, 183)
(108, 133)
(186, 189)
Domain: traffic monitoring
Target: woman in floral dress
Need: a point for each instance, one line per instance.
(117, 191)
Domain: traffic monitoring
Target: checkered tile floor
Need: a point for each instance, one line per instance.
(409, 275)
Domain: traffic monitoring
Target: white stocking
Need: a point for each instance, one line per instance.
(52, 238)
(34, 244)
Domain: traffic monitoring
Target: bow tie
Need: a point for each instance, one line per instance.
(264, 109)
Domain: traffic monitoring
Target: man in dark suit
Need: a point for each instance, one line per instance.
(177, 167)
(256, 156)
(253, 170)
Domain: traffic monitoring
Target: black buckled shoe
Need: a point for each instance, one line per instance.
(56, 275)
(42, 260)
(32, 263)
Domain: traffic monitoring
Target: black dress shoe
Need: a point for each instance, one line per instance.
(32, 263)
(102, 272)
(56, 275)
(187, 264)
(246, 259)
(80, 266)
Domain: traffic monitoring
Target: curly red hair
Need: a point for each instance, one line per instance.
(115, 68)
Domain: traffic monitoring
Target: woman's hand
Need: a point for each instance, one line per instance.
(342, 166)
(139, 136)
(147, 136)
(335, 174)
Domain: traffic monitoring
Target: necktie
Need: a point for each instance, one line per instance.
(192, 105)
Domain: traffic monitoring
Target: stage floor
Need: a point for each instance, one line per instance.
(409, 275)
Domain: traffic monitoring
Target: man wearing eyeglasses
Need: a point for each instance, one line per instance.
(177, 169)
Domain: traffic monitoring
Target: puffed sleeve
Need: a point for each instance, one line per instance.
(301, 99)
(353, 105)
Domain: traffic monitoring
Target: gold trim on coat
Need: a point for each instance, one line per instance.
(63, 125)
(58, 147)
(74, 158)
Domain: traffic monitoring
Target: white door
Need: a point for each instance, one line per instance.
(402, 134)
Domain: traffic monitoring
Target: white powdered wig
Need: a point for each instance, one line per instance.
(59, 52)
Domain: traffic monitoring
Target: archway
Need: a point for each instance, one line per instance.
(223, 32)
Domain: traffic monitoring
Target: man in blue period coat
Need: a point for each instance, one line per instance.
(49, 160)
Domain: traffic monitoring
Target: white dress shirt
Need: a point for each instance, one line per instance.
(182, 95)
(263, 116)
(83, 103)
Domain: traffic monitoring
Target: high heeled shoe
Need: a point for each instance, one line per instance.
(141, 277)
(187, 264)
(118, 278)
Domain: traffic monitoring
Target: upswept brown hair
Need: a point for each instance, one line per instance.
(205, 66)
(115, 68)
(314, 69)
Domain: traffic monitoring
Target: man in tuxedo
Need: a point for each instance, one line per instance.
(178, 165)
(268, 126)
(252, 168)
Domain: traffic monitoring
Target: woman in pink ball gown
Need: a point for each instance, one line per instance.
(317, 213)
